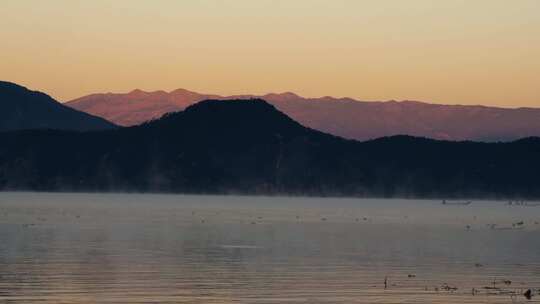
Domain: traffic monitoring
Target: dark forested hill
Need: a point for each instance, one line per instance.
(22, 109)
(247, 146)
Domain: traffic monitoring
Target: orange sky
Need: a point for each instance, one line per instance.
(454, 51)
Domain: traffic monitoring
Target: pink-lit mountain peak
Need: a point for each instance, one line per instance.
(344, 117)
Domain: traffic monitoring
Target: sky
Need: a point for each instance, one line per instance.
(451, 52)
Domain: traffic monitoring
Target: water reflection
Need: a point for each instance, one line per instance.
(83, 248)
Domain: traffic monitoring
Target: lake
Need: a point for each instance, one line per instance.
(146, 248)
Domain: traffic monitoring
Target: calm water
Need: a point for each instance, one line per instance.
(117, 248)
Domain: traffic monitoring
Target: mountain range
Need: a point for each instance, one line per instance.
(250, 147)
(21, 109)
(343, 117)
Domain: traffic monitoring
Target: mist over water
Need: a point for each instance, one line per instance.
(134, 248)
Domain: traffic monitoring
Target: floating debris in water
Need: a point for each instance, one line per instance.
(492, 289)
(520, 223)
(528, 294)
(447, 287)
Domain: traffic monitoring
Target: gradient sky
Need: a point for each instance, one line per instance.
(451, 51)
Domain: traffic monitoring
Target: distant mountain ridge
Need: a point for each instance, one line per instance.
(22, 109)
(343, 117)
(137, 106)
(250, 147)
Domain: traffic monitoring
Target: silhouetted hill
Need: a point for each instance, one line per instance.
(22, 109)
(247, 146)
(343, 117)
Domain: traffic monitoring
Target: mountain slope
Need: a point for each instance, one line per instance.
(21, 109)
(343, 117)
(248, 146)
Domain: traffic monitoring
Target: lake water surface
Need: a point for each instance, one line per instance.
(135, 248)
